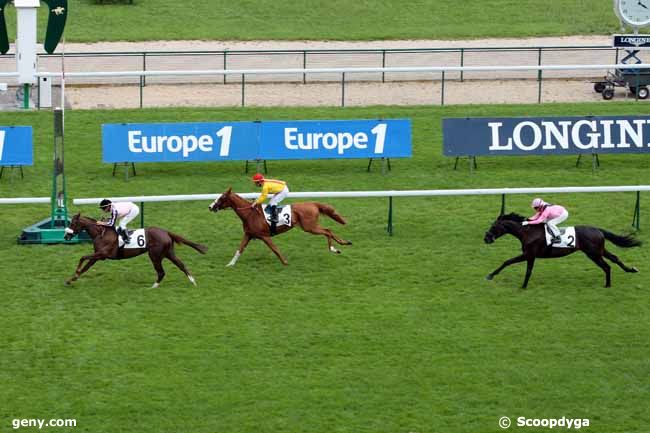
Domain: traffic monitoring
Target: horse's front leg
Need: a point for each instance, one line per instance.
(244, 242)
(529, 270)
(92, 259)
(270, 244)
(508, 262)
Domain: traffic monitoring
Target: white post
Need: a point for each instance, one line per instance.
(26, 60)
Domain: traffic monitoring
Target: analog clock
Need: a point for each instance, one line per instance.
(635, 13)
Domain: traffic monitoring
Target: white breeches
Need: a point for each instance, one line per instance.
(277, 198)
(134, 212)
(552, 224)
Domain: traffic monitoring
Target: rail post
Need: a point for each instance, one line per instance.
(343, 89)
(442, 90)
(141, 90)
(462, 62)
(383, 65)
(144, 68)
(539, 76)
(304, 66)
(389, 226)
(636, 219)
(243, 84)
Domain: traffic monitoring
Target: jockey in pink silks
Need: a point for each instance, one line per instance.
(551, 214)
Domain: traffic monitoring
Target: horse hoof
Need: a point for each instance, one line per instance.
(67, 282)
(489, 277)
(634, 269)
(155, 285)
(192, 280)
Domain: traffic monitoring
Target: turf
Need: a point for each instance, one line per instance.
(397, 334)
(338, 20)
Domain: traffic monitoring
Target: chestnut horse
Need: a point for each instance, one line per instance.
(255, 226)
(160, 245)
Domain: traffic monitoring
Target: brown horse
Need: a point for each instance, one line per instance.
(159, 245)
(255, 226)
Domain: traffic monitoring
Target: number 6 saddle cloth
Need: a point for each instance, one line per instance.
(284, 215)
(138, 240)
(567, 236)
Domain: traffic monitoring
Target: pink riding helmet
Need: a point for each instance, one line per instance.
(537, 203)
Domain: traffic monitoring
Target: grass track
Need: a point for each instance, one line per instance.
(338, 20)
(398, 334)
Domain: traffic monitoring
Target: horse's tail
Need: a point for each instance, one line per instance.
(181, 240)
(330, 212)
(626, 241)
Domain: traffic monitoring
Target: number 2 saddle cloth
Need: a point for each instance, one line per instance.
(567, 236)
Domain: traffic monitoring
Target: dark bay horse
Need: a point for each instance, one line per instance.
(160, 245)
(304, 215)
(589, 240)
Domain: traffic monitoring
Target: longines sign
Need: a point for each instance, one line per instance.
(638, 42)
(546, 135)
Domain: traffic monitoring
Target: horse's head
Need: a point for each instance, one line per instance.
(501, 226)
(74, 228)
(224, 201)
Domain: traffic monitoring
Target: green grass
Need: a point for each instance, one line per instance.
(338, 20)
(398, 334)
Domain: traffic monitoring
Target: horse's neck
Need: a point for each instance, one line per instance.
(91, 227)
(514, 228)
(241, 206)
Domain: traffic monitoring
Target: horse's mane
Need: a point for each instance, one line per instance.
(512, 217)
(87, 218)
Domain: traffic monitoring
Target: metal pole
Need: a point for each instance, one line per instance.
(304, 66)
(141, 89)
(144, 68)
(539, 76)
(224, 66)
(243, 81)
(462, 62)
(25, 96)
(141, 214)
(442, 90)
(389, 227)
(383, 65)
(343, 89)
(636, 219)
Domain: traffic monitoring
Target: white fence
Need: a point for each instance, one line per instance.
(401, 69)
(391, 194)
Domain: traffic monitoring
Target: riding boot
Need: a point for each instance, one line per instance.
(125, 235)
(274, 218)
(555, 236)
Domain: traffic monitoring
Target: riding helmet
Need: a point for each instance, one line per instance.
(104, 203)
(258, 177)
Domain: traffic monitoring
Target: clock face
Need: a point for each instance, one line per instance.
(635, 12)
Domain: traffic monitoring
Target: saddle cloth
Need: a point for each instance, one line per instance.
(567, 234)
(284, 215)
(138, 240)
